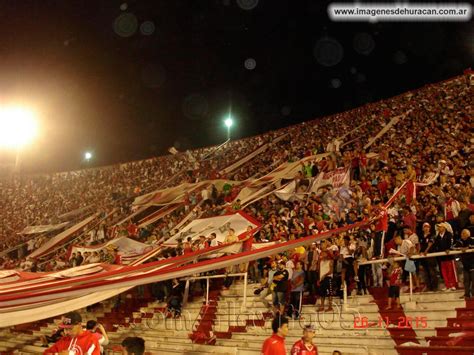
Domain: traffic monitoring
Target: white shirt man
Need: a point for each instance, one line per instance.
(406, 247)
(348, 251)
(289, 266)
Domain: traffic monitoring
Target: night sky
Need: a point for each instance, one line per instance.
(129, 79)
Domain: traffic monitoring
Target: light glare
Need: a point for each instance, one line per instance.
(228, 122)
(18, 127)
(88, 155)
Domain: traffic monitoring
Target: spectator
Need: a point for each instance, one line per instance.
(46, 339)
(275, 345)
(326, 270)
(175, 299)
(467, 259)
(75, 338)
(212, 240)
(280, 279)
(311, 266)
(305, 345)
(296, 295)
(429, 264)
(269, 285)
(395, 273)
(99, 332)
(360, 256)
(444, 242)
(347, 257)
(231, 237)
(133, 346)
(79, 259)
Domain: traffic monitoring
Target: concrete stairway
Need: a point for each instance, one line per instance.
(455, 336)
(342, 329)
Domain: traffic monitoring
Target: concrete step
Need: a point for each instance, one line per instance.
(435, 350)
(242, 340)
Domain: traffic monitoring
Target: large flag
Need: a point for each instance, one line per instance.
(334, 179)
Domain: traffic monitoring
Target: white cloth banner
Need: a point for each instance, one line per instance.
(127, 247)
(43, 229)
(152, 218)
(252, 155)
(384, 130)
(245, 159)
(288, 192)
(61, 237)
(176, 194)
(219, 225)
(286, 171)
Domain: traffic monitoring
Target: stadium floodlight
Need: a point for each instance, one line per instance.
(18, 127)
(228, 123)
(87, 156)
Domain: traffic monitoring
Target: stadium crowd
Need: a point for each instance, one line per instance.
(432, 142)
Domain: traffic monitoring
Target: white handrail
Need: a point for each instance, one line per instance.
(418, 256)
(430, 255)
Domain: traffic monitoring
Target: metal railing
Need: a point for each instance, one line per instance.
(207, 278)
(415, 257)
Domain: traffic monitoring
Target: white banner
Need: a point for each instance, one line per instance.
(61, 237)
(127, 247)
(177, 194)
(220, 225)
(384, 130)
(43, 229)
(288, 192)
(252, 155)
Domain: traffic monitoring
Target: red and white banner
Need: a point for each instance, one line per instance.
(40, 298)
(61, 237)
(334, 179)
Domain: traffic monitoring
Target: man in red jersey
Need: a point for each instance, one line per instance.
(76, 340)
(275, 345)
(305, 345)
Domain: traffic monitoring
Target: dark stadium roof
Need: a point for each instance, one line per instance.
(129, 79)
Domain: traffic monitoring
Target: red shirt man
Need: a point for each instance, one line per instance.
(75, 340)
(275, 345)
(247, 239)
(305, 345)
